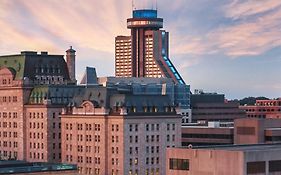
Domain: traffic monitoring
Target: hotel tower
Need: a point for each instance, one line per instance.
(146, 52)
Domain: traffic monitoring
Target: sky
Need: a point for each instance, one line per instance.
(224, 46)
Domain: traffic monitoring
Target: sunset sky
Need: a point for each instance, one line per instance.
(224, 46)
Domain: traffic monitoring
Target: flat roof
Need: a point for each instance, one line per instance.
(207, 127)
(245, 148)
(12, 167)
(273, 129)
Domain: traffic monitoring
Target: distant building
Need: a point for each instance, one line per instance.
(241, 131)
(264, 109)
(38, 168)
(213, 133)
(146, 52)
(110, 130)
(254, 131)
(214, 107)
(230, 160)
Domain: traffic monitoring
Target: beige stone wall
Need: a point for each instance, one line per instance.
(84, 143)
(12, 123)
(122, 147)
(43, 130)
(147, 149)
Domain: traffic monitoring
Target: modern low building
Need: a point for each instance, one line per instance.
(254, 131)
(221, 160)
(264, 109)
(110, 131)
(241, 131)
(214, 107)
(36, 168)
(213, 133)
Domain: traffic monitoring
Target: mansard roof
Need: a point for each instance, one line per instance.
(30, 64)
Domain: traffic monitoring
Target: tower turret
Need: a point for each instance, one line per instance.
(70, 60)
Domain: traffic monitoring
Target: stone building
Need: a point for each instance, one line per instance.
(32, 94)
(109, 131)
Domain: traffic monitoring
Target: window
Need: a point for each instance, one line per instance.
(173, 138)
(246, 130)
(157, 138)
(256, 168)
(152, 138)
(168, 138)
(130, 128)
(275, 166)
(179, 164)
(157, 127)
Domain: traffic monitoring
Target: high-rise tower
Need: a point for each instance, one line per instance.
(146, 52)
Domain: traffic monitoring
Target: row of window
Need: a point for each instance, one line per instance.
(8, 99)
(212, 136)
(9, 144)
(9, 125)
(41, 115)
(6, 81)
(81, 159)
(9, 114)
(6, 134)
(88, 127)
(152, 171)
(9, 154)
(97, 138)
(36, 155)
(88, 149)
(88, 170)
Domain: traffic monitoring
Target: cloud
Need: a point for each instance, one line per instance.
(88, 24)
(253, 26)
(238, 8)
(242, 35)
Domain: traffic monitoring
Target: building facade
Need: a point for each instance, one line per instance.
(220, 160)
(145, 53)
(115, 133)
(214, 107)
(241, 131)
(29, 126)
(264, 109)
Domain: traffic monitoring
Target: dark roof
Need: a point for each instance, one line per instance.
(28, 64)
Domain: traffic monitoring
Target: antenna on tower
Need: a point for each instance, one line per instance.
(156, 5)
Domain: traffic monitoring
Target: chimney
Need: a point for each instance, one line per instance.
(70, 60)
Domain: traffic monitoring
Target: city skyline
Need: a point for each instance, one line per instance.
(229, 47)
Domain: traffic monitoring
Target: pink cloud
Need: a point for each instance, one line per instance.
(244, 8)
